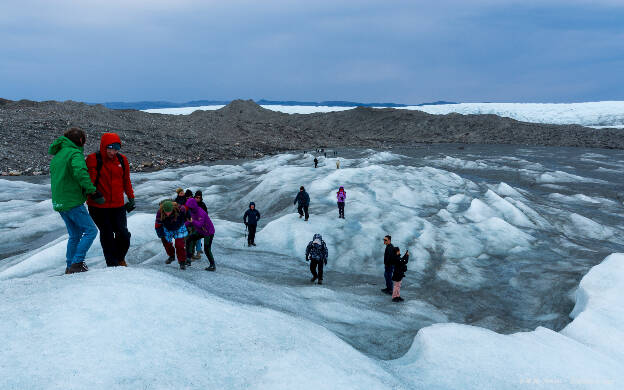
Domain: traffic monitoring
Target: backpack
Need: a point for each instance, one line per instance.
(98, 158)
(316, 251)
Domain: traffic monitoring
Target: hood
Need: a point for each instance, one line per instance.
(62, 142)
(317, 236)
(341, 189)
(252, 204)
(191, 204)
(107, 139)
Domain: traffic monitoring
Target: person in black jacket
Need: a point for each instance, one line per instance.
(303, 200)
(400, 267)
(250, 219)
(388, 264)
(315, 162)
(316, 251)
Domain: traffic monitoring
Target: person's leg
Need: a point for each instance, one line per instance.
(252, 234)
(101, 217)
(300, 210)
(305, 208)
(320, 270)
(88, 232)
(388, 277)
(119, 221)
(198, 246)
(208, 249)
(168, 247)
(313, 270)
(74, 237)
(396, 291)
(190, 245)
(180, 250)
(341, 209)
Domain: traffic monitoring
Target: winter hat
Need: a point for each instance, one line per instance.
(198, 193)
(252, 204)
(115, 145)
(188, 194)
(178, 190)
(167, 206)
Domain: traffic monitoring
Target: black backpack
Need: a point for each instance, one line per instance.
(98, 158)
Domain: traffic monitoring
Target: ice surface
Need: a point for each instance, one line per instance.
(488, 248)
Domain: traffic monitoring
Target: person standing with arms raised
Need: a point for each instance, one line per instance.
(110, 173)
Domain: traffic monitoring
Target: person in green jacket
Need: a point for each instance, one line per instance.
(71, 184)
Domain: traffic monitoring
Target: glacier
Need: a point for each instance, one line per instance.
(514, 279)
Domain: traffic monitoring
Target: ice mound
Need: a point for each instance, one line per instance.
(138, 328)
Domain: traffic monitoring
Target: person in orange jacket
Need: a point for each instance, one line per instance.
(110, 173)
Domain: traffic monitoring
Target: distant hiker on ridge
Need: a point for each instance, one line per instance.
(70, 184)
(250, 219)
(110, 173)
(303, 201)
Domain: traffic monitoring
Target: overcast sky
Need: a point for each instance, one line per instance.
(367, 51)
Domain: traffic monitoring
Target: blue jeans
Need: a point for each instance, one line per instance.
(82, 232)
(198, 246)
(389, 270)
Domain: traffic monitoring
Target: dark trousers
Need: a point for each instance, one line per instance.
(252, 234)
(191, 241)
(179, 249)
(388, 276)
(313, 265)
(114, 234)
(341, 209)
(303, 209)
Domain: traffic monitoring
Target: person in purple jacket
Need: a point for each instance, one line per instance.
(204, 228)
(341, 196)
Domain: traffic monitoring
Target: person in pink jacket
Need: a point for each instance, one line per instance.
(204, 228)
(341, 196)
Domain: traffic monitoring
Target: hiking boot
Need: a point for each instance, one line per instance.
(300, 216)
(397, 299)
(78, 267)
(199, 252)
(320, 281)
(386, 291)
(249, 244)
(211, 268)
(122, 263)
(170, 260)
(188, 262)
(196, 256)
(182, 265)
(253, 243)
(306, 219)
(66, 270)
(313, 279)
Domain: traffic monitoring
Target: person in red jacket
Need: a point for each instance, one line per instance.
(110, 173)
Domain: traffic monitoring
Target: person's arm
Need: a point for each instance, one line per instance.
(80, 173)
(297, 198)
(127, 183)
(326, 252)
(308, 248)
(258, 214)
(245, 217)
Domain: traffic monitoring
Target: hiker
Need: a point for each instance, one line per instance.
(315, 162)
(337, 164)
(110, 173)
(204, 229)
(388, 264)
(70, 184)
(316, 253)
(180, 198)
(341, 195)
(400, 267)
(251, 218)
(188, 194)
(303, 202)
(200, 202)
(170, 226)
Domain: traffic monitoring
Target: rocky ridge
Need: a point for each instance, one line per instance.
(243, 129)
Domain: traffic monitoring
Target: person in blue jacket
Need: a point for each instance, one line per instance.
(251, 218)
(303, 200)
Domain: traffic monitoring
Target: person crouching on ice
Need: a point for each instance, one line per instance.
(316, 251)
(204, 229)
(170, 226)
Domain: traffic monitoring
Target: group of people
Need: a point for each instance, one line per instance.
(102, 180)
(182, 224)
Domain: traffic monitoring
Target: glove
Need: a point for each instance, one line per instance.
(98, 198)
(307, 259)
(130, 205)
(246, 224)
